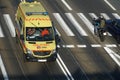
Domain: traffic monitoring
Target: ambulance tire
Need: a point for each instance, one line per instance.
(24, 58)
(54, 58)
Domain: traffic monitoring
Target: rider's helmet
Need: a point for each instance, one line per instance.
(101, 17)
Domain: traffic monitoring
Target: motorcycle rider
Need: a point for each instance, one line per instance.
(99, 23)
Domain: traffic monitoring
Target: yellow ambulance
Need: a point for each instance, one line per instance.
(36, 33)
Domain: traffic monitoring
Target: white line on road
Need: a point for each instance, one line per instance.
(66, 4)
(81, 46)
(111, 45)
(1, 32)
(58, 32)
(3, 69)
(112, 55)
(109, 4)
(96, 45)
(68, 46)
(84, 46)
(64, 68)
(93, 15)
(87, 22)
(116, 15)
(105, 16)
(63, 24)
(76, 24)
(9, 24)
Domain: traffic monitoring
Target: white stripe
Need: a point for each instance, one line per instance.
(111, 53)
(66, 4)
(58, 32)
(64, 66)
(70, 46)
(95, 45)
(116, 15)
(81, 46)
(62, 69)
(63, 46)
(93, 15)
(1, 32)
(76, 24)
(105, 16)
(63, 24)
(111, 45)
(58, 46)
(3, 69)
(87, 22)
(9, 24)
(118, 56)
(109, 4)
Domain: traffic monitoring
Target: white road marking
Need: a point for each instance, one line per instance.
(63, 24)
(66, 4)
(81, 46)
(96, 45)
(93, 15)
(9, 24)
(3, 69)
(76, 24)
(1, 32)
(64, 68)
(111, 45)
(58, 46)
(68, 46)
(87, 22)
(118, 56)
(109, 4)
(84, 46)
(112, 55)
(58, 32)
(116, 15)
(105, 16)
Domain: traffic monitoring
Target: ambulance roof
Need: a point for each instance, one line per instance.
(35, 14)
(27, 7)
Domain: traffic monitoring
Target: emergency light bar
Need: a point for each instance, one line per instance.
(36, 13)
(29, 0)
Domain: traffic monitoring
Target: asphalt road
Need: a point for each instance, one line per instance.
(84, 56)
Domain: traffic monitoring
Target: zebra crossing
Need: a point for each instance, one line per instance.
(84, 19)
(71, 17)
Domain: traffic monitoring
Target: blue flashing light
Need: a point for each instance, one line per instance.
(45, 13)
(36, 13)
(29, 0)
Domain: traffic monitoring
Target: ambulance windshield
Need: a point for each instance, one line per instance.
(39, 34)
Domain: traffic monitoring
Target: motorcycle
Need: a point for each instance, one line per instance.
(102, 34)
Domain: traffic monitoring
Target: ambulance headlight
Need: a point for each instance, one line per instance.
(54, 51)
(29, 51)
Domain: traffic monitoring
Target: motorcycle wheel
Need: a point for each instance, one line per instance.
(101, 36)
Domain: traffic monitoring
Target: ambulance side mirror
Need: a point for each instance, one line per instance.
(57, 38)
(22, 37)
